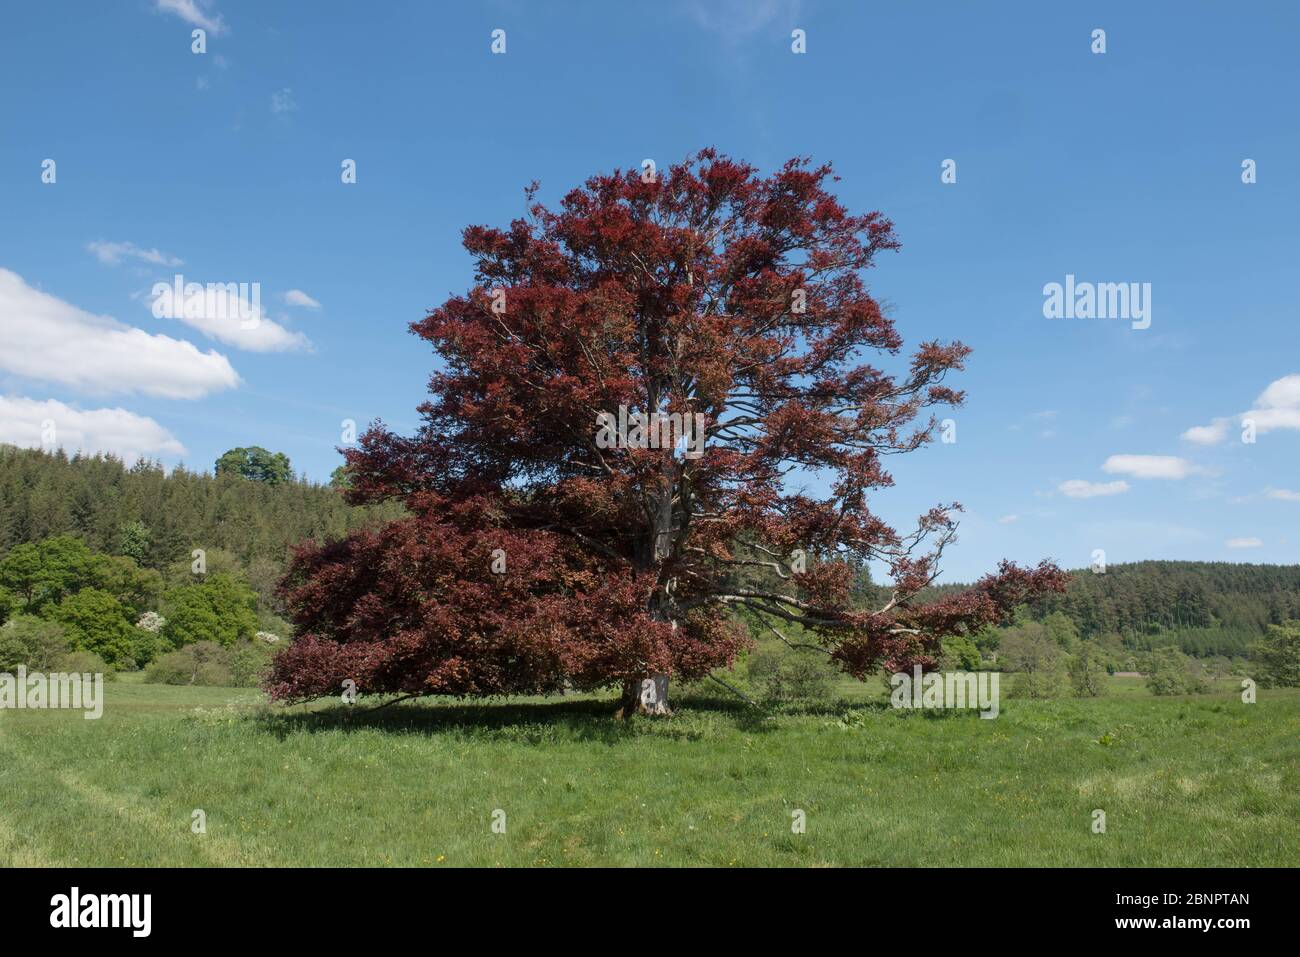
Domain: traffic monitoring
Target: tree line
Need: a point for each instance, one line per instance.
(157, 517)
(1203, 608)
(248, 516)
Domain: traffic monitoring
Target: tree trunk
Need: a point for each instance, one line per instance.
(646, 696)
(649, 693)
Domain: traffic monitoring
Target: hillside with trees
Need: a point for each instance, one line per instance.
(105, 567)
(1203, 608)
(157, 517)
(247, 521)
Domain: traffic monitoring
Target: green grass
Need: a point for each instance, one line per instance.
(1198, 781)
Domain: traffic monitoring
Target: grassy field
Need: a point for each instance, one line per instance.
(1201, 781)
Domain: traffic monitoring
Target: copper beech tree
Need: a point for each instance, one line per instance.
(634, 399)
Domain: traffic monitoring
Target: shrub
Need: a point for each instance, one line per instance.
(1087, 671)
(200, 663)
(1038, 660)
(790, 676)
(148, 645)
(243, 665)
(32, 642)
(1170, 672)
(960, 654)
(250, 662)
(83, 662)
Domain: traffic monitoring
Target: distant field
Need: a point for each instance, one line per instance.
(1197, 781)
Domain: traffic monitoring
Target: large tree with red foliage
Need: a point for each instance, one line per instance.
(535, 556)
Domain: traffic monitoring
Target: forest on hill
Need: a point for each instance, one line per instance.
(156, 518)
(1203, 608)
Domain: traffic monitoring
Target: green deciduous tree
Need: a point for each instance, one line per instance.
(1275, 661)
(220, 608)
(96, 621)
(1038, 661)
(42, 573)
(1061, 630)
(1087, 671)
(134, 540)
(256, 463)
(34, 642)
(960, 654)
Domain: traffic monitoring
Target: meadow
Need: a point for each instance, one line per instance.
(1204, 780)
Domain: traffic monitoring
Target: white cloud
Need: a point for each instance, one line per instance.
(228, 312)
(296, 297)
(282, 101)
(192, 12)
(1282, 494)
(1008, 519)
(1278, 406)
(1079, 488)
(51, 340)
(114, 253)
(1149, 466)
(1244, 542)
(31, 423)
(1283, 392)
(1211, 434)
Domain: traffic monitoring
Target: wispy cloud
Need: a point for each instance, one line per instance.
(1150, 466)
(1244, 542)
(282, 101)
(1080, 488)
(1211, 434)
(193, 13)
(740, 19)
(1282, 494)
(113, 253)
(296, 297)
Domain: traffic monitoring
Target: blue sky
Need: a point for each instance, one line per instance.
(1123, 166)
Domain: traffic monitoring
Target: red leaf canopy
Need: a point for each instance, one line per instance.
(536, 557)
